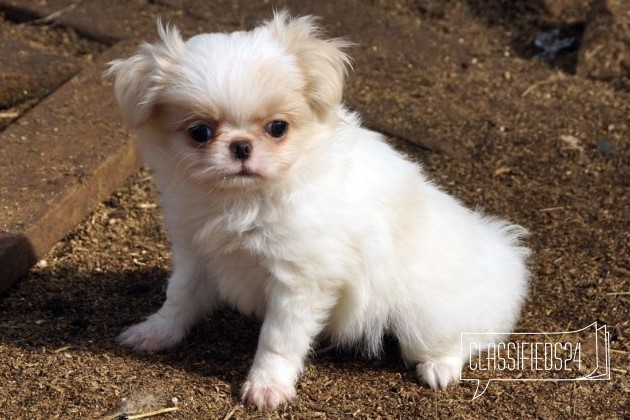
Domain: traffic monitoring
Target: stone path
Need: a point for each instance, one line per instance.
(70, 151)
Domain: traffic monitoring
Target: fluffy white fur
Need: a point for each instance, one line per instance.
(324, 231)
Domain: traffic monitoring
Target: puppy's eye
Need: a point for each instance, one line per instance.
(201, 133)
(277, 128)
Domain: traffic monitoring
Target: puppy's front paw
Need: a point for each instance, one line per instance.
(155, 334)
(439, 372)
(266, 395)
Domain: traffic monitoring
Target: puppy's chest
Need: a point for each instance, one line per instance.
(245, 230)
(285, 242)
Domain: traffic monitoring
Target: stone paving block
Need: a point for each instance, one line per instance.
(30, 73)
(394, 59)
(57, 162)
(105, 21)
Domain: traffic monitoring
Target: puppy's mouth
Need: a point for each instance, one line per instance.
(243, 173)
(246, 172)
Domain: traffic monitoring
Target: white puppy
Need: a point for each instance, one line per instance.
(279, 203)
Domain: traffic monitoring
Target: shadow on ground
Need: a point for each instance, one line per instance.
(88, 319)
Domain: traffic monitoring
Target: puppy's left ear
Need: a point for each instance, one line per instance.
(141, 78)
(323, 61)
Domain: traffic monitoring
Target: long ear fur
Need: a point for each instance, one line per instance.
(323, 61)
(140, 78)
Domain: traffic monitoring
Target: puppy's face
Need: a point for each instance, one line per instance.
(232, 110)
(232, 120)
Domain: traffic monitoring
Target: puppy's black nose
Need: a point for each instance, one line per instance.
(241, 149)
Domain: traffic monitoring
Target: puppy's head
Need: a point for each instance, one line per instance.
(232, 109)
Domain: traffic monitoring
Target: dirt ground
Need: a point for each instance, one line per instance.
(525, 139)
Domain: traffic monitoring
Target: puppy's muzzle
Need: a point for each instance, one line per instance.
(241, 149)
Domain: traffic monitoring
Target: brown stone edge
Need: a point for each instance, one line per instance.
(19, 251)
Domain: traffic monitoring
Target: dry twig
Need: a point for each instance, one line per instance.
(53, 16)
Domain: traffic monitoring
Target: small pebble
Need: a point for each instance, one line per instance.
(606, 148)
(572, 142)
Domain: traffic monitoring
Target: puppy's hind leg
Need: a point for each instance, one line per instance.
(439, 372)
(190, 295)
(436, 366)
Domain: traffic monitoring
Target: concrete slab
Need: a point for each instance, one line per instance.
(60, 160)
(30, 73)
(104, 21)
(396, 58)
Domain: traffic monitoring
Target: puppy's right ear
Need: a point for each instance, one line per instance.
(323, 61)
(140, 78)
